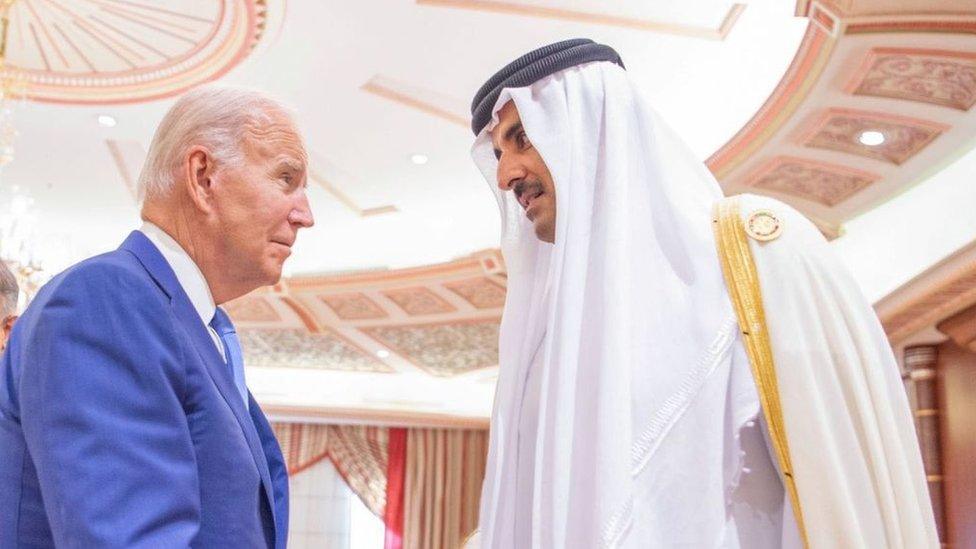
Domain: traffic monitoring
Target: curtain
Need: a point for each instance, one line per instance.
(358, 452)
(395, 480)
(424, 483)
(445, 468)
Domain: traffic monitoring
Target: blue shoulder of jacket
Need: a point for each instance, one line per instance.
(117, 273)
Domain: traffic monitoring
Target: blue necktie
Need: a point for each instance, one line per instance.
(232, 350)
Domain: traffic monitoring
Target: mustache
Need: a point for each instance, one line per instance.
(522, 185)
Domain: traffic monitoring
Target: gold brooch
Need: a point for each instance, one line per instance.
(763, 225)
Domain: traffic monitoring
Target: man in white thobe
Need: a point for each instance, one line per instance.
(644, 399)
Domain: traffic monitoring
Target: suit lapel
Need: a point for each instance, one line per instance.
(219, 371)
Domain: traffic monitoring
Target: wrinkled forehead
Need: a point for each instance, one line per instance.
(274, 135)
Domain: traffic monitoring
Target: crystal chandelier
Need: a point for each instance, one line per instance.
(16, 244)
(12, 88)
(16, 220)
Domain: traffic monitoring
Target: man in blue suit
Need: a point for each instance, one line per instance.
(124, 417)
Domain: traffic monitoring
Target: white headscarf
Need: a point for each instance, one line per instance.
(637, 326)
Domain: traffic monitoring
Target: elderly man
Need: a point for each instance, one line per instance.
(644, 399)
(124, 417)
(9, 292)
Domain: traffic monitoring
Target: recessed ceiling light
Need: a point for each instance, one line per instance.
(871, 138)
(106, 120)
(419, 159)
(382, 353)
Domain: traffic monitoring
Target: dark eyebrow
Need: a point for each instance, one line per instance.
(509, 135)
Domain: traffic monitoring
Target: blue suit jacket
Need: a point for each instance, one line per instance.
(120, 425)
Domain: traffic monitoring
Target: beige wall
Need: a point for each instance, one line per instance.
(957, 392)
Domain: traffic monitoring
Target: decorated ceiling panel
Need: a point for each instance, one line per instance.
(819, 182)
(444, 348)
(440, 320)
(841, 130)
(877, 94)
(938, 77)
(118, 51)
(297, 348)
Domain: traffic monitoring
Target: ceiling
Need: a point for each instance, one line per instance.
(390, 305)
(350, 75)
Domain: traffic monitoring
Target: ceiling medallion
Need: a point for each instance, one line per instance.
(123, 51)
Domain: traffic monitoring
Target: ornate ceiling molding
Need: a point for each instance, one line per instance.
(961, 328)
(810, 60)
(424, 100)
(819, 182)
(540, 10)
(839, 130)
(938, 77)
(365, 416)
(863, 66)
(440, 320)
(938, 293)
(125, 51)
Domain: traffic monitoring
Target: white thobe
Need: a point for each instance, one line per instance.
(757, 506)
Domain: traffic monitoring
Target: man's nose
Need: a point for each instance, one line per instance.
(509, 174)
(301, 214)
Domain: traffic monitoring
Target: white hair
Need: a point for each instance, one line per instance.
(9, 291)
(214, 117)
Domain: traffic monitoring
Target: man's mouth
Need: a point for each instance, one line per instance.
(527, 192)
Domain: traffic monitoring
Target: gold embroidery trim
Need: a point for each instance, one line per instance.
(742, 280)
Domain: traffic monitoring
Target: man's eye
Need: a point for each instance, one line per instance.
(522, 140)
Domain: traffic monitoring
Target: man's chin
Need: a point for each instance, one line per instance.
(544, 231)
(272, 274)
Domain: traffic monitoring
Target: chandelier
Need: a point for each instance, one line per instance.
(12, 88)
(16, 220)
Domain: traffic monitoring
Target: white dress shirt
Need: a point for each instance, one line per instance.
(189, 277)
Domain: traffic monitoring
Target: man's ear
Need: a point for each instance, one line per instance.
(7, 324)
(199, 178)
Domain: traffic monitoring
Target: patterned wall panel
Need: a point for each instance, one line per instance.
(419, 301)
(251, 309)
(939, 77)
(481, 293)
(823, 183)
(443, 349)
(296, 348)
(353, 306)
(841, 131)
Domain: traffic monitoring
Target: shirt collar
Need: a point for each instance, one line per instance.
(187, 273)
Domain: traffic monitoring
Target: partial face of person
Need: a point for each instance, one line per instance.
(522, 172)
(6, 326)
(261, 203)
